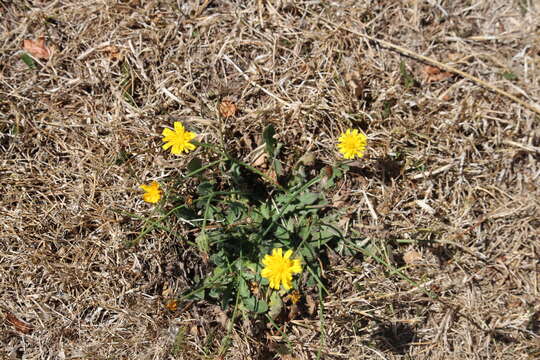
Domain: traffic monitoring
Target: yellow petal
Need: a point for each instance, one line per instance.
(167, 132)
(274, 284)
(166, 145)
(266, 260)
(265, 273)
(144, 187)
(297, 266)
(176, 150)
(178, 127)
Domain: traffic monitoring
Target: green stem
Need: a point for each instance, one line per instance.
(202, 168)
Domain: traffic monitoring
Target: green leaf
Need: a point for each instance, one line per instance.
(205, 188)
(327, 234)
(236, 172)
(287, 210)
(256, 217)
(227, 297)
(406, 77)
(255, 305)
(268, 137)
(509, 75)
(306, 253)
(198, 294)
(184, 212)
(308, 198)
(194, 165)
(387, 107)
(250, 271)
(282, 233)
(216, 292)
(304, 232)
(276, 305)
(243, 288)
(311, 282)
(277, 167)
(28, 61)
(219, 259)
(236, 212)
(265, 211)
(289, 225)
(203, 243)
(218, 273)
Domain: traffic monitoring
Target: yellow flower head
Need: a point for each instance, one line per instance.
(352, 143)
(295, 297)
(179, 139)
(279, 268)
(153, 192)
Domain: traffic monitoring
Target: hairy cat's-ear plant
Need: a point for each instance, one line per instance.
(262, 236)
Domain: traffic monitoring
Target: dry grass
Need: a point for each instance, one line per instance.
(452, 173)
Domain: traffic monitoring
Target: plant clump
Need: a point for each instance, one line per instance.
(256, 239)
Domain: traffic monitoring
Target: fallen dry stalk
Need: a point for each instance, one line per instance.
(533, 107)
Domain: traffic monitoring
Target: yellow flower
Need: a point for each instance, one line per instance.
(172, 305)
(280, 268)
(179, 139)
(352, 143)
(295, 297)
(153, 192)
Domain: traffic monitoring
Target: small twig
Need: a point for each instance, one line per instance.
(522, 146)
(434, 172)
(91, 50)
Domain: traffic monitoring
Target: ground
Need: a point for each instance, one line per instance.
(448, 190)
